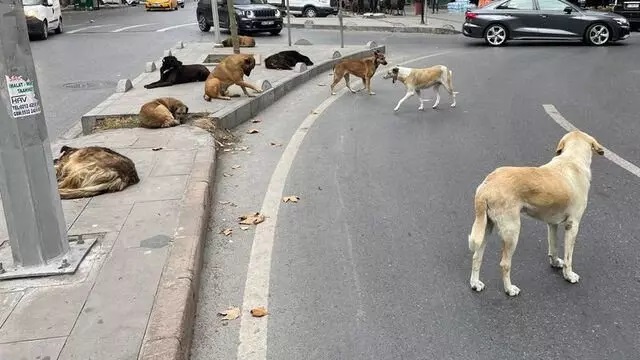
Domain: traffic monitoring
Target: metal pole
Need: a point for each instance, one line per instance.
(424, 12)
(216, 21)
(288, 23)
(341, 24)
(233, 26)
(32, 206)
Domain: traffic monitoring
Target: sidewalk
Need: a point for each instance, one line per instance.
(439, 23)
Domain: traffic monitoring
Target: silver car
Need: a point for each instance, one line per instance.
(504, 20)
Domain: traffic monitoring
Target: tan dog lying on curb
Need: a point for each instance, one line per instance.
(162, 112)
(230, 71)
(555, 193)
(362, 68)
(91, 171)
(244, 41)
(417, 79)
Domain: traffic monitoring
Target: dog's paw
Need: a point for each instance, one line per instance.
(434, 107)
(477, 285)
(571, 277)
(421, 108)
(556, 263)
(371, 93)
(453, 105)
(258, 91)
(512, 290)
(353, 91)
(395, 109)
(333, 93)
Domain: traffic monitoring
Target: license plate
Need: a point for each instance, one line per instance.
(633, 6)
(268, 22)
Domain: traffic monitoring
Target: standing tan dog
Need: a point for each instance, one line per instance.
(417, 79)
(231, 70)
(555, 193)
(91, 171)
(362, 68)
(162, 112)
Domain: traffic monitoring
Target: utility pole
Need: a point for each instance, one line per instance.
(216, 22)
(425, 6)
(341, 24)
(233, 26)
(288, 23)
(28, 185)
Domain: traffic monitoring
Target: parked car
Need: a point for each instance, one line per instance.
(43, 16)
(630, 9)
(252, 16)
(161, 4)
(502, 20)
(308, 8)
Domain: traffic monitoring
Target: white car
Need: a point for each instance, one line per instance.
(42, 17)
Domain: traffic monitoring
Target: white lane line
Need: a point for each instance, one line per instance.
(558, 118)
(129, 27)
(86, 28)
(253, 331)
(175, 27)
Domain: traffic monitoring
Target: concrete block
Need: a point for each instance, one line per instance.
(167, 53)
(124, 85)
(150, 67)
(179, 45)
(300, 67)
(35, 349)
(154, 189)
(336, 55)
(174, 162)
(302, 42)
(150, 225)
(371, 45)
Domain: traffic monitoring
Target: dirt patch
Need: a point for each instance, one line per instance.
(223, 137)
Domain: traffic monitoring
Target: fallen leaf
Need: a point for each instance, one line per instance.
(156, 149)
(259, 312)
(253, 131)
(235, 167)
(245, 228)
(293, 199)
(255, 121)
(227, 232)
(275, 144)
(251, 219)
(226, 175)
(231, 313)
(224, 202)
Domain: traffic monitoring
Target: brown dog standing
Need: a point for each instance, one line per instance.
(230, 71)
(362, 68)
(162, 112)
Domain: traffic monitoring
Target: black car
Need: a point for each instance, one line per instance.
(504, 20)
(252, 16)
(630, 9)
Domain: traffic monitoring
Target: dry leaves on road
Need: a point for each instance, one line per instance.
(275, 144)
(251, 219)
(226, 174)
(231, 313)
(259, 312)
(156, 149)
(255, 121)
(227, 232)
(292, 198)
(253, 131)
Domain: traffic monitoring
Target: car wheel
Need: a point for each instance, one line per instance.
(275, 32)
(182, 6)
(598, 34)
(45, 30)
(495, 35)
(310, 12)
(59, 28)
(202, 24)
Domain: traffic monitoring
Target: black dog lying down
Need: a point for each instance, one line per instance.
(286, 60)
(172, 72)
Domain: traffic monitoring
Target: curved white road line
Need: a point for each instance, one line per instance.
(87, 28)
(175, 27)
(129, 27)
(253, 331)
(560, 120)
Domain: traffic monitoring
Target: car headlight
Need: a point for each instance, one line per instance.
(250, 14)
(622, 21)
(277, 13)
(241, 13)
(30, 12)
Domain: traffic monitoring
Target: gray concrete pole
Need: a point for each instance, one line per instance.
(288, 23)
(341, 24)
(32, 206)
(233, 26)
(216, 21)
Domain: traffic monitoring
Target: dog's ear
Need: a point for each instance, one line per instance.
(560, 147)
(596, 147)
(66, 148)
(395, 72)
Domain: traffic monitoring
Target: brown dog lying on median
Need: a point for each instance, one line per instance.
(362, 68)
(162, 112)
(91, 171)
(244, 41)
(230, 71)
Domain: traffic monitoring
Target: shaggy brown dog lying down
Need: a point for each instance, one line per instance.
(91, 171)
(244, 41)
(162, 112)
(555, 193)
(230, 71)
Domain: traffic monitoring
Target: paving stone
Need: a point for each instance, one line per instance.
(174, 162)
(45, 349)
(101, 218)
(149, 189)
(8, 302)
(150, 225)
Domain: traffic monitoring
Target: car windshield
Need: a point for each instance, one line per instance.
(32, 2)
(248, 2)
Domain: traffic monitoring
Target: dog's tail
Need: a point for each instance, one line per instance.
(481, 225)
(113, 185)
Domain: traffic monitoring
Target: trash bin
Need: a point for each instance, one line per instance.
(418, 6)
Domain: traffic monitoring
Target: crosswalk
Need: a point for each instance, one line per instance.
(124, 28)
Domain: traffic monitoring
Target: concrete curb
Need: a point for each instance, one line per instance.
(401, 29)
(170, 328)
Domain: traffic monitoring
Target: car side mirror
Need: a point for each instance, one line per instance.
(568, 9)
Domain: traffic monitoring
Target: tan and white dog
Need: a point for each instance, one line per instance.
(418, 79)
(556, 193)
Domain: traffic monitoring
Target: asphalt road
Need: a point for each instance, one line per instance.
(373, 261)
